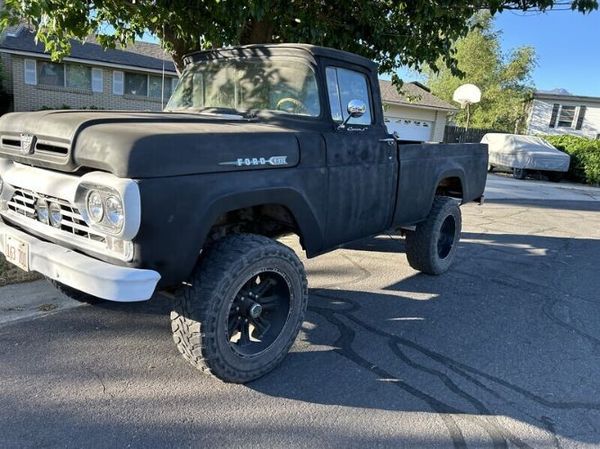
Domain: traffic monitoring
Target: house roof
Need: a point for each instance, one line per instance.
(412, 94)
(564, 97)
(142, 55)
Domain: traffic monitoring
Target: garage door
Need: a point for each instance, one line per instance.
(409, 129)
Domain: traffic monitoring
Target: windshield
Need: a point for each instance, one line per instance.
(244, 85)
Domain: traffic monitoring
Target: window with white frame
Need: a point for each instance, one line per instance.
(155, 86)
(144, 85)
(97, 80)
(555, 109)
(73, 76)
(566, 117)
(78, 76)
(50, 74)
(30, 72)
(136, 84)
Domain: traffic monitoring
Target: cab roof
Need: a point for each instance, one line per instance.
(267, 50)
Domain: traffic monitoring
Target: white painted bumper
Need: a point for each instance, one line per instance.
(85, 273)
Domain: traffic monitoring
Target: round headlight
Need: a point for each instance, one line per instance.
(41, 208)
(114, 211)
(55, 215)
(95, 207)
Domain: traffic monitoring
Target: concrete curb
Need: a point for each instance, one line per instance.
(31, 300)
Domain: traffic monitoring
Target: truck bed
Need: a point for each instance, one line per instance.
(423, 167)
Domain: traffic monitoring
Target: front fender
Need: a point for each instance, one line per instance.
(310, 229)
(178, 213)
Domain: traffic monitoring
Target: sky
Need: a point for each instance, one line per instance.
(567, 46)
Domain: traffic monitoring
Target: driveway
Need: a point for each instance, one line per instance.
(502, 351)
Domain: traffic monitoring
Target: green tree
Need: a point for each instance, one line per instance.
(504, 80)
(391, 32)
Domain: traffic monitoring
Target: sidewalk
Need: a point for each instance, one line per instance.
(504, 187)
(31, 300)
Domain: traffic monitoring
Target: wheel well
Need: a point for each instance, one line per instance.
(451, 186)
(270, 220)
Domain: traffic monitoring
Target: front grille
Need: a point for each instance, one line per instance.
(14, 143)
(23, 203)
(49, 148)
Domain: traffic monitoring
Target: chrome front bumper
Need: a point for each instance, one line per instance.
(82, 272)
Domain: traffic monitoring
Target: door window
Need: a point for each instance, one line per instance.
(344, 85)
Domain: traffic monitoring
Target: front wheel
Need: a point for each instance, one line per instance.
(431, 247)
(243, 308)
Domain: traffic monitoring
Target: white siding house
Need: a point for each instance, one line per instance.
(415, 114)
(564, 114)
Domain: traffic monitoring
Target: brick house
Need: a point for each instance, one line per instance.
(139, 77)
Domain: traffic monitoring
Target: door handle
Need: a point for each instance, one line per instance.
(389, 140)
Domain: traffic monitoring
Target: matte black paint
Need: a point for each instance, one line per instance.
(423, 167)
(339, 185)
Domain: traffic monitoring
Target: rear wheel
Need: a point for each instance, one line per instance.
(243, 308)
(519, 173)
(431, 247)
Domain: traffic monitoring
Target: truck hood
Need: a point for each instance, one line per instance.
(144, 144)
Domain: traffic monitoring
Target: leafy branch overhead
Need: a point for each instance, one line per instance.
(393, 33)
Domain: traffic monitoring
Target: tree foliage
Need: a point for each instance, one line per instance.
(391, 32)
(504, 80)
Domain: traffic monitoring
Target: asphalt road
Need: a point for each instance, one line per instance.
(502, 351)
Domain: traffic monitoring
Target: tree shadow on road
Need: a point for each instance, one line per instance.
(511, 331)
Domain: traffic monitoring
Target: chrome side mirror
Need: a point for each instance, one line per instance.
(356, 109)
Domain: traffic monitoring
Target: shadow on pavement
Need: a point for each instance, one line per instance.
(512, 331)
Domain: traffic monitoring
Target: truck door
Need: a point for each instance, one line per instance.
(361, 159)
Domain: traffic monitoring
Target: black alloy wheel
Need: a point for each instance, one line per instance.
(258, 313)
(446, 237)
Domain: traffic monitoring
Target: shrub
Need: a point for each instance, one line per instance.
(585, 157)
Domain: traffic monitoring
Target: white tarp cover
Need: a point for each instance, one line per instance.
(529, 152)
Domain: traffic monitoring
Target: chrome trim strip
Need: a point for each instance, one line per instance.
(31, 224)
(31, 210)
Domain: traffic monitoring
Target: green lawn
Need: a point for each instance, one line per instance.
(10, 274)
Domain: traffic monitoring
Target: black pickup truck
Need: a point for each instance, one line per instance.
(256, 142)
